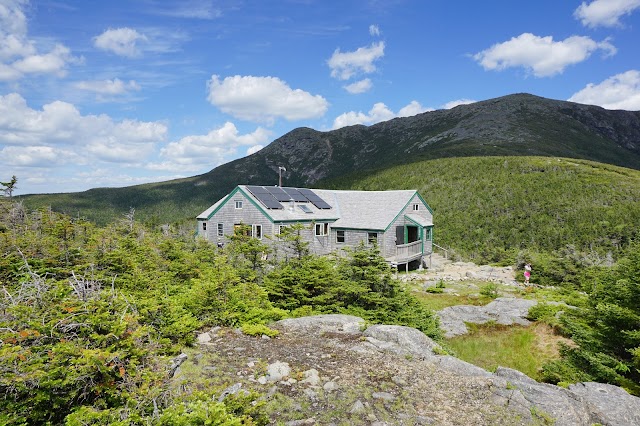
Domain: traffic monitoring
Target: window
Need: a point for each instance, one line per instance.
(304, 208)
(339, 236)
(322, 229)
(256, 231)
(372, 237)
(416, 207)
(204, 226)
(220, 230)
(281, 229)
(427, 234)
(238, 204)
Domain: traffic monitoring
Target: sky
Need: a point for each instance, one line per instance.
(118, 93)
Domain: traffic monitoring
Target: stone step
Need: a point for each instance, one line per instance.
(437, 260)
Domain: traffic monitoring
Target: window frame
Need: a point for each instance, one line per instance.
(323, 227)
(238, 204)
(416, 207)
(341, 234)
(372, 238)
(220, 229)
(204, 226)
(256, 231)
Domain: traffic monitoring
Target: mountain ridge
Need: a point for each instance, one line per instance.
(512, 125)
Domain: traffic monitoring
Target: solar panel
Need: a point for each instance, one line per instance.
(295, 195)
(314, 198)
(306, 192)
(265, 197)
(279, 193)
(321, 204)
(269, 201)
(257, 189)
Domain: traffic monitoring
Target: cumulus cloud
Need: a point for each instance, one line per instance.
(622, 91)
(540, 55)
(374, 30)
(59, 129)
(359, 86)
(453, 104)
(254, 149)
(412, 109)
(121, 41)
(192, 152)
(263, 99)
(605, 13)
(345, 65)
(107, 87)
(20, 55)
(32, 156)
(379, 112)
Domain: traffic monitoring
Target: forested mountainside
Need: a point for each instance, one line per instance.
(514, 125)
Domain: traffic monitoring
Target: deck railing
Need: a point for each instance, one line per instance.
(408, 251)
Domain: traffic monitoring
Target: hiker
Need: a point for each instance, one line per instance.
(527, 273)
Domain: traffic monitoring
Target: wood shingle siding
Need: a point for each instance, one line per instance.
(391, 215)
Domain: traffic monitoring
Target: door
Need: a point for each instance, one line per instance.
(399, 235)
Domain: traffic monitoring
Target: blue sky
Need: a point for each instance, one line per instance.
(117, 93)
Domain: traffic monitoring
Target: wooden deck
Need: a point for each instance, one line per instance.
(406, 253)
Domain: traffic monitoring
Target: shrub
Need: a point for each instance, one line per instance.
(490, 290)
(259, 330)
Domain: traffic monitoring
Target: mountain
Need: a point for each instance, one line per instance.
(514, 125)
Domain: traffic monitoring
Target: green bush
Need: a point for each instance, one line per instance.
(546, 313)
(259, 330)
(360, 283)
(490, 290)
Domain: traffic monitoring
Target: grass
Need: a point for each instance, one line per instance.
(525, 349)
(438, 301)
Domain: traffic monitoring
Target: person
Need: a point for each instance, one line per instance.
(527, 273)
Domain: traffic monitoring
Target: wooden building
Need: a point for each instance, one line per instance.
(399, 222)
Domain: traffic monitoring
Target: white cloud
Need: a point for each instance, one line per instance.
(359, 86)
(540, 55)
(453, 104)
(412, 109)
(263, 99)
(345, 65)
(254, 149)
(121, 41)
(605, 13)
(59, 129)
(107, 87)
(622, 91)
(53, 62)
(13, 31)
(379, 112)
(374, 30)
(20, 55)
(192, 152)
(31, 156)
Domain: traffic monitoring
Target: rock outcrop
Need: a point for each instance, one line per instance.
(503, 310)
(330, 372)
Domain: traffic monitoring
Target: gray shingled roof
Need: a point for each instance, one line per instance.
(373, 210)
(205, 214)
(367, 209)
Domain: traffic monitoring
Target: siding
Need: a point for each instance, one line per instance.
(390, 235)
(352, 238)
(249, 214)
